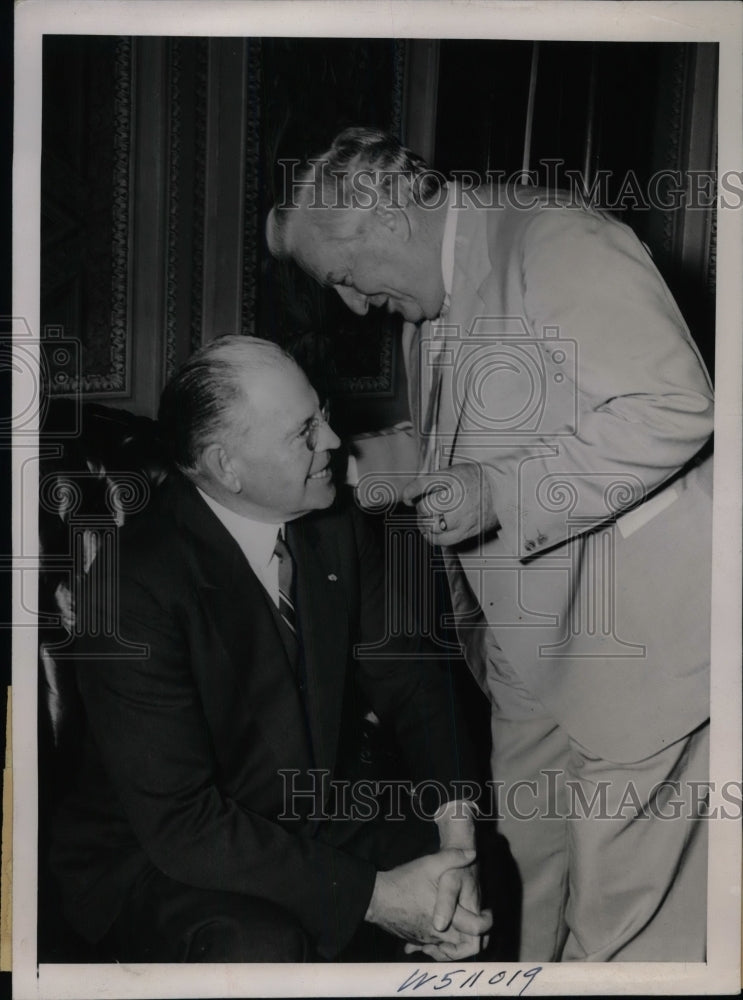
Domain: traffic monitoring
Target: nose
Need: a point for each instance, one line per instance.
(355, 301)
(327, 439)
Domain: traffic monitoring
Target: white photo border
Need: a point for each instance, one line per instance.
(695, 20)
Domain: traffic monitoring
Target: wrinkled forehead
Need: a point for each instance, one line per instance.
(320, 238)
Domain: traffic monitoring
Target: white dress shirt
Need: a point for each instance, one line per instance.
(257, 540)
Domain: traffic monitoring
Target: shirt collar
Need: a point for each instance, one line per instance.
(257, 539)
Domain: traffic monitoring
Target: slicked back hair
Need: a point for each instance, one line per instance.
(362, 164)
(196, 406)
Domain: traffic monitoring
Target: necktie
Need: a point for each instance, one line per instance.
(428, 460)
(286, 583)
(288, 612)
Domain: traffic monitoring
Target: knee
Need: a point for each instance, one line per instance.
(274, 936)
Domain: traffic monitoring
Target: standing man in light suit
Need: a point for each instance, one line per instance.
(563, 416)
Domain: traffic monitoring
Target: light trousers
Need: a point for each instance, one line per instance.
(612, 857)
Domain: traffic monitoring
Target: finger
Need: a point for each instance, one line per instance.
(455, 945)
(415, 489)
(451, 536)
(449, 857)
(444, 540)
(447, 897)
(430, 527)
(472, 923)
(469, 896)
(433, 947)
(467, 947)
(423, 491)
(435, 952)
(459, 525)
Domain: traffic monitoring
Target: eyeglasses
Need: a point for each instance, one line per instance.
(313, 428)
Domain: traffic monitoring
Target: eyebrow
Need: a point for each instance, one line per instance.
(305, 423)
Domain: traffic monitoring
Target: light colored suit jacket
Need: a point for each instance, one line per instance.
(570, 376)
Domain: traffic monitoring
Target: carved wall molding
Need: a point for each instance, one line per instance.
(398, 86)
(673, 122)
(174, 156)
(197, 280)
(252, 230)
(120, 340)
(383, 380)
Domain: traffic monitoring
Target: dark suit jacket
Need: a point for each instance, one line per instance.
(187, 742)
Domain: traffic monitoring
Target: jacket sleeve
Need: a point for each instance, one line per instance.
(407, 681)
(146, 717)
(629, 372)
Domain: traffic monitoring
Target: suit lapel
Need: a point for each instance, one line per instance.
(245, 633)
(324, 627)
(471, 268)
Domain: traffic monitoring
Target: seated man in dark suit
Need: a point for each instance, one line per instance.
(243, 591)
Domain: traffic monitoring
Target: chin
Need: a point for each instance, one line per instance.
(326, 497)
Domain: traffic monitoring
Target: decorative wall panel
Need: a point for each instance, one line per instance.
(85, 232)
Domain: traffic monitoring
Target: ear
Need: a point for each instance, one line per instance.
(393, 204)
(394, 220)
(217, 466)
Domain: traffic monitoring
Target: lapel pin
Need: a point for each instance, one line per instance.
(332, 576)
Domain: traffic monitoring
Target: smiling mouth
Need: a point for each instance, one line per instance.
(322, 474)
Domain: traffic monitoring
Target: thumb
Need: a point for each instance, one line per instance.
(452, 857)
(412, 490)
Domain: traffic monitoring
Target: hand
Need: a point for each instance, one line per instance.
(453, 504)
(457, 886)
(405, 898)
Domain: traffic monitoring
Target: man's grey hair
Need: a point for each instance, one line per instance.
(197, 404)
(363, 164)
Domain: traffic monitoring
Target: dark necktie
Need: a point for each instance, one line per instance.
(288, 612)
(286, 583)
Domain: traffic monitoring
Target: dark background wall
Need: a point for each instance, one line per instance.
(159, 167)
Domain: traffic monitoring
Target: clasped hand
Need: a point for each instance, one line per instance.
(453, 504)
(433, 904)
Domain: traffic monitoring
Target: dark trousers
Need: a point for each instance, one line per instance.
(163, 920)
(167, 921)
